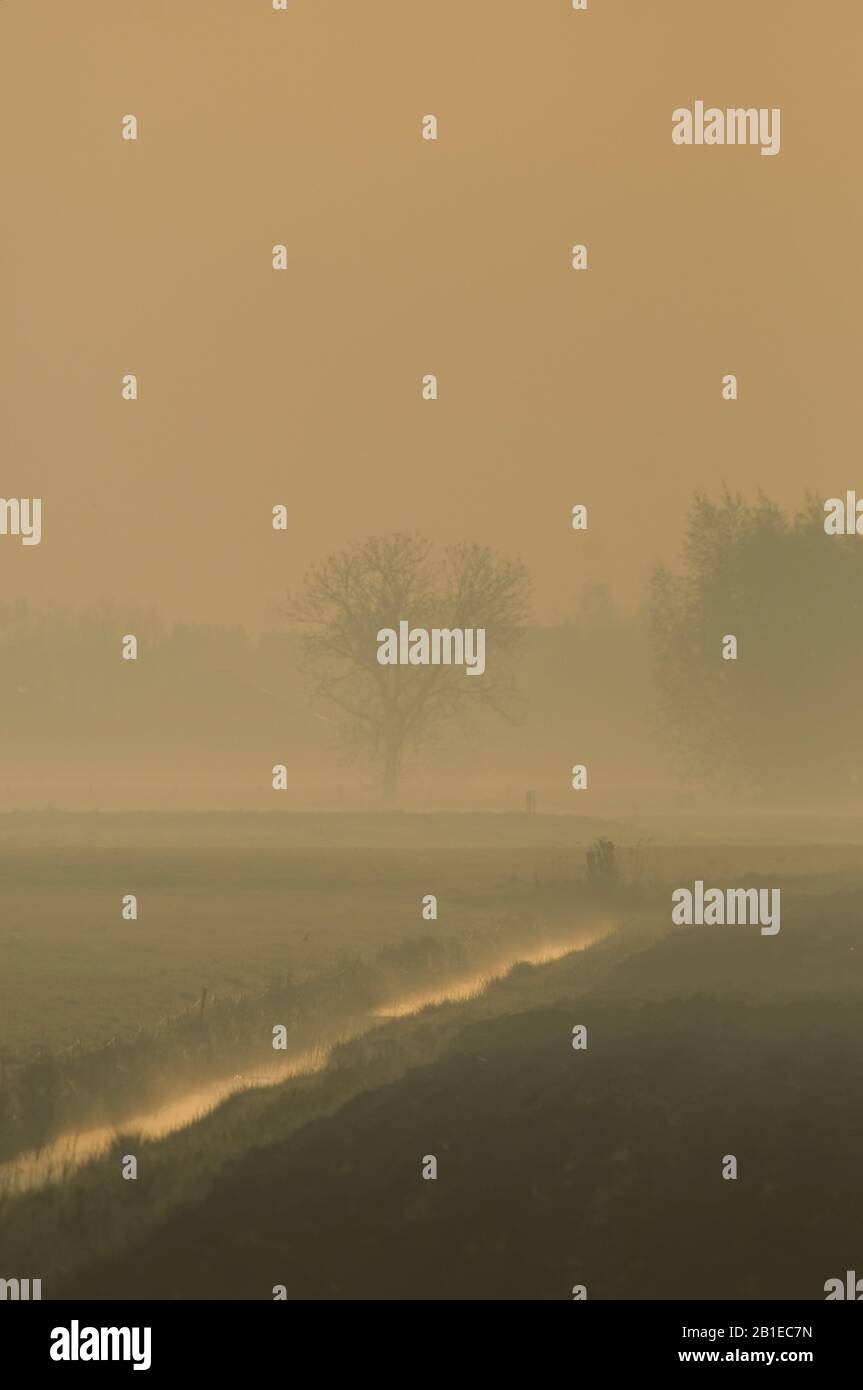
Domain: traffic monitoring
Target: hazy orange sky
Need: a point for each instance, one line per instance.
(407, 257)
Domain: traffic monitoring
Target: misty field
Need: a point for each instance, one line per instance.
(104, 1017)
(228, 921)
(232, 920)
(556, 1167)
(692, 1031)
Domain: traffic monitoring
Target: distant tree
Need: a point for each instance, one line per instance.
(786, 712)
(346, 599)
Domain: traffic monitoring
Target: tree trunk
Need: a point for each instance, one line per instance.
(392, 764)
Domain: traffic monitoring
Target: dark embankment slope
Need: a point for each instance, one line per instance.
(560, 1167)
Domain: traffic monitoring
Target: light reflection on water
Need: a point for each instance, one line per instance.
(58, 1160)
(475, 985)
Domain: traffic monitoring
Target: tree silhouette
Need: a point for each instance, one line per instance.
(793, 597)
(346, 599)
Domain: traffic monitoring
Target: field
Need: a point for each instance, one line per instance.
(703, 1042)
(233, 920)
(230, 921)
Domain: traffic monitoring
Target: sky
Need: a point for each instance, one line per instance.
(408, 257)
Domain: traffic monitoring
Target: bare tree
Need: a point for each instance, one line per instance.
(345, 601)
